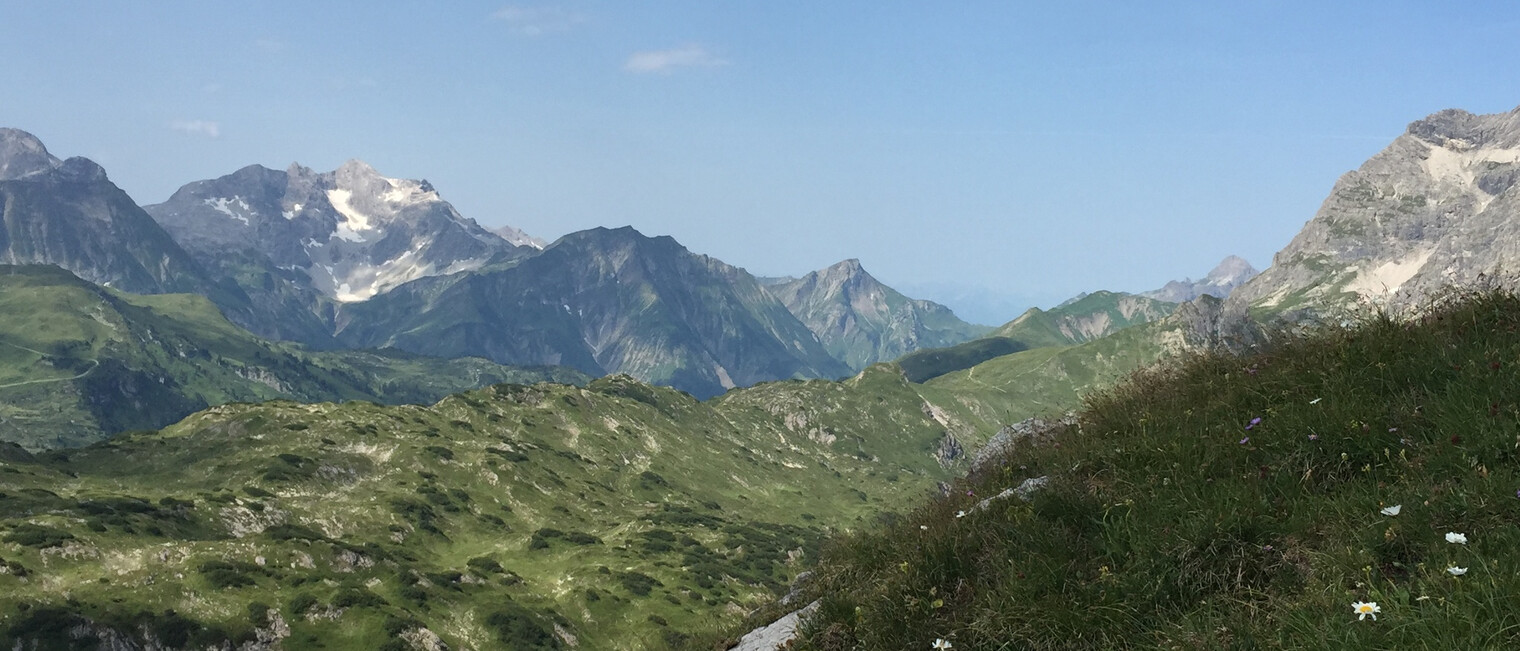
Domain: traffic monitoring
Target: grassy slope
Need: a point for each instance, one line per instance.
(1169, 525)
(719, 503)
(1050, 380)
(79, 362)
(1102, 313)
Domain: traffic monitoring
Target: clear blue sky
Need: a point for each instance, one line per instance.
(1026, 150)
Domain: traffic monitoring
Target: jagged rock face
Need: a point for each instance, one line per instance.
(352, 232)
(1232, 272)
(22, 155)
(68, 213)
(861, 321)
(1438, 207)
(603, 301)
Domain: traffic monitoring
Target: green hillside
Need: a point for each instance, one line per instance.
(619, 515)
(79, 362)
(1229, 502)
(1087, 319)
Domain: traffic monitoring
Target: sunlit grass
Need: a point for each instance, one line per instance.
(1169, 524)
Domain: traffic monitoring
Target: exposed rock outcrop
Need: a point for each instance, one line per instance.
(1439, 206)
(777, 634)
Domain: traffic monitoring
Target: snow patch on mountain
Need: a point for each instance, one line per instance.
(222, 205)
(356, 232)
(353, 222)
(407, 192)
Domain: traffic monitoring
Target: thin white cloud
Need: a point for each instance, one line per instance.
(536, 21)
(203, 128)
(664, 61)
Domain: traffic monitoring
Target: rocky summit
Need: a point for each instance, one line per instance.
(68, 213)
(22, 155)
(1437, 207)
(354, 232)
(861, 321)
(1230, 273)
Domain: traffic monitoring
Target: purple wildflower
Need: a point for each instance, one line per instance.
(1245, 440)
(1313, 437)
(1254, 422)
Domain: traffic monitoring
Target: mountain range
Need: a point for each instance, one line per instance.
(618, 514)
(351, 258)
(603, 301)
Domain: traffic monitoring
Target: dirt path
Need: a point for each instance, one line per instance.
(95, 363)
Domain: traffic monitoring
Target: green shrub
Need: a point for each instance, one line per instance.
(518, 628)
(301, 603)
(638, 583)
(357, 597)
(229, 574)
(37, 535)
(484, 566)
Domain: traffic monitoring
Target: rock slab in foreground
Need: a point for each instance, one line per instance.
(778, 633)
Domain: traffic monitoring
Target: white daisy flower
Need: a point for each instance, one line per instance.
(1365, 608)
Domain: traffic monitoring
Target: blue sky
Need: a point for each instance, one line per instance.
(1018, 151)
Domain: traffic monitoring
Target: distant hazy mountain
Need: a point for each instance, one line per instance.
(861, 321)
(68, 213)
(603, 301)
(516, 237)
(1438, 206)
(1232, 272)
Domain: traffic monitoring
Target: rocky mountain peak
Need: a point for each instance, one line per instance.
(78, 169)
(1232, 270)
(1460, 129)
(516, 237)
(862, 321)
(1437, 207)
(850, 266)
(87, 225)
(355, 232)
(1230, 273)
(22, 154)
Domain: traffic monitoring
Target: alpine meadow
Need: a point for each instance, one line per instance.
(336, 405)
